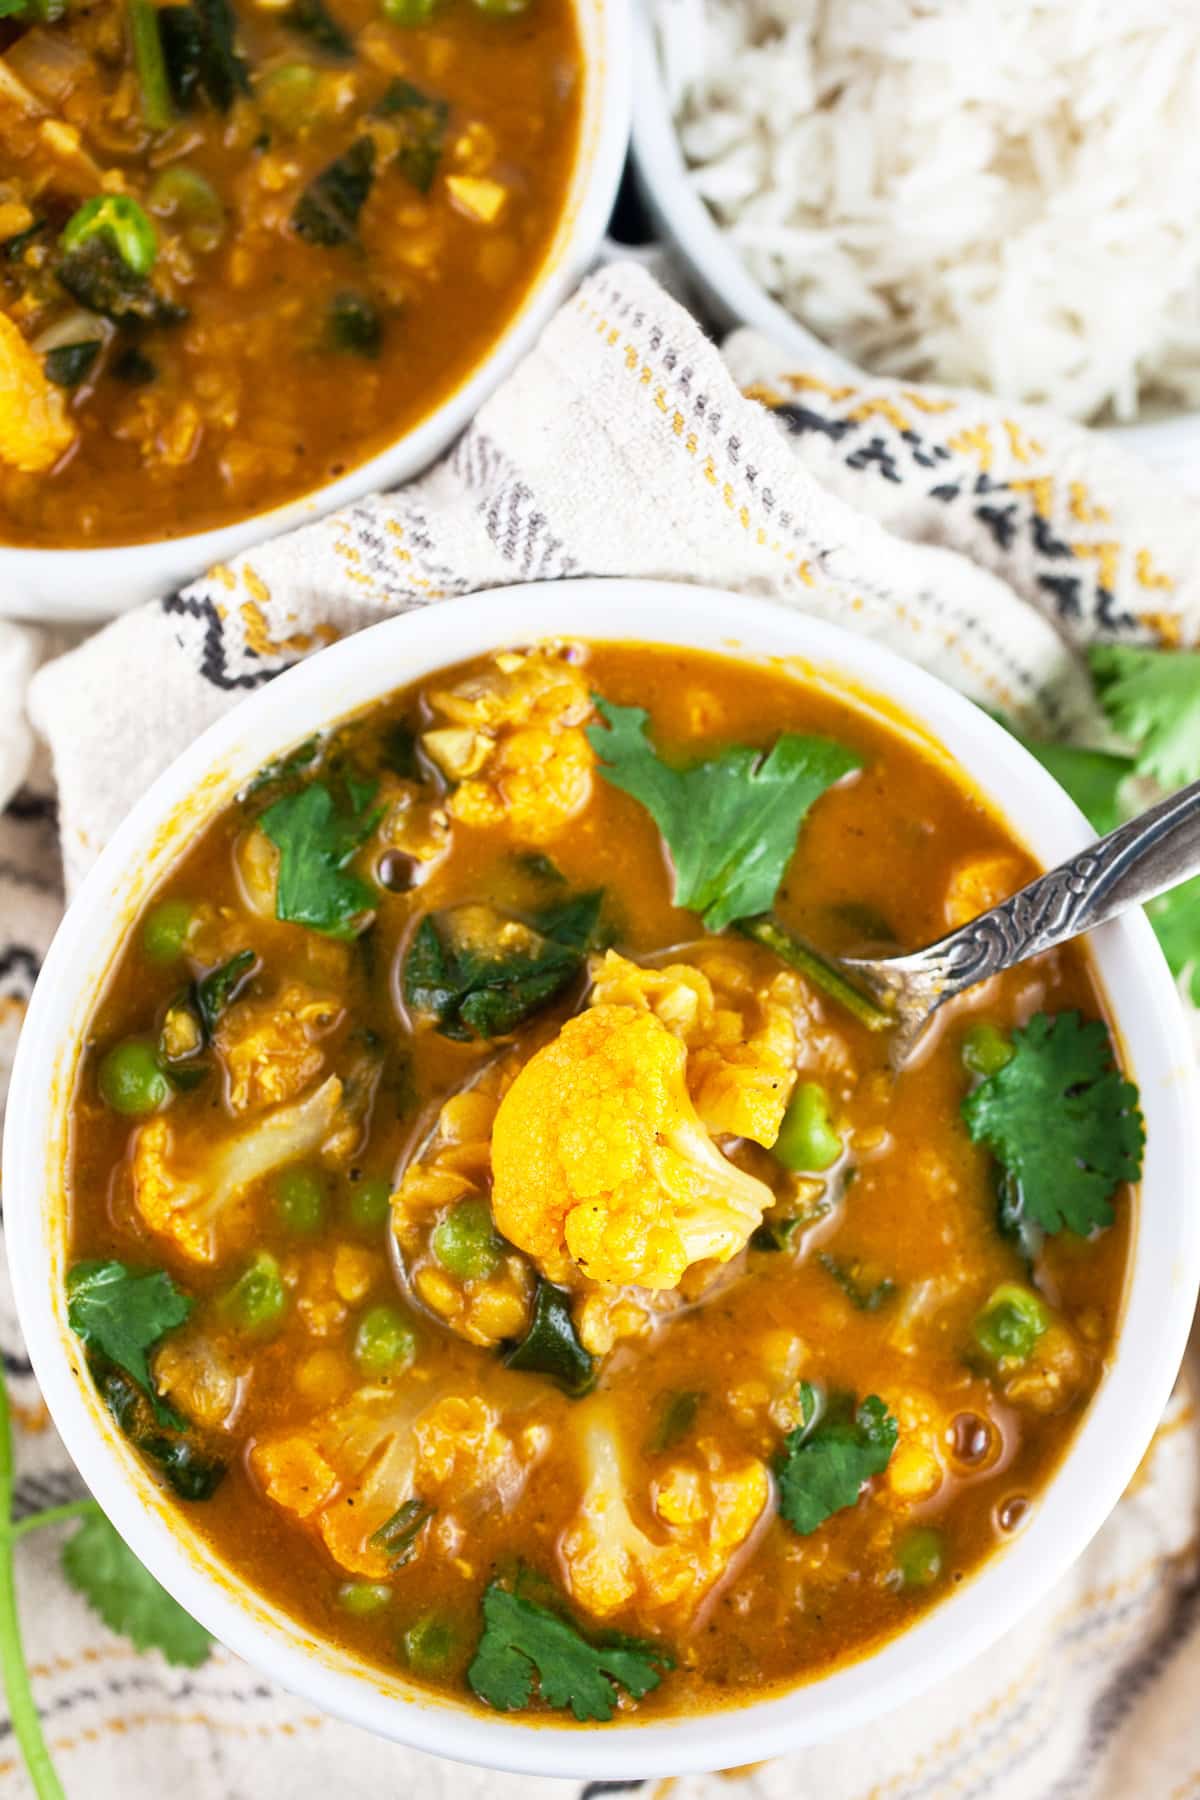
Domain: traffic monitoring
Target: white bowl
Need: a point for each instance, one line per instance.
(1166, 1244)
(85, 584)
(731, 295)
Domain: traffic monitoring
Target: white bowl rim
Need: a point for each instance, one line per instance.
(689, 228)
(1108, 1444)
(595, 178)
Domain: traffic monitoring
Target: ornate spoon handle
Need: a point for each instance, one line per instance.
(1142, 858)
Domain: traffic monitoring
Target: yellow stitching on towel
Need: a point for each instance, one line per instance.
(1149, 576)
(255, 586)
(1022, 447)
(1165, 626)
(1084, 508)
(880, 408)
(1108, 556)
(259, 639)
(803, 383)
(974, 440)
(769, 396)
(1040, 489)
(222, 573)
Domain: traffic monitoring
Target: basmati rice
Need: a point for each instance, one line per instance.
(993, 193)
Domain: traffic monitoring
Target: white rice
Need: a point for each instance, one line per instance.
(994, 193)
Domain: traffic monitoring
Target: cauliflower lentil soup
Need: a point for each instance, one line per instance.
(245, 245)
(515, 1253)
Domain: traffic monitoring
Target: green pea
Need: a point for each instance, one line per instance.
(300, 1199)
(465, 1242)
(370, 1202)
(362, 1598)
(288, 96)
(384, 1341)
(430, 1644)
(503, 9)
(191, 200)
(1010, 1324)
(920, 1556)
(124, 224)
(130, 1079)
(807, 1139)
(409, 12)
(257, 1300)
(985, 1050)
(165, 933)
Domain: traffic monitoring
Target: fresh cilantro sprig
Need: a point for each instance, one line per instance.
(1152, 698)
(317, 838)
(121, 1313)
(1176, 920)
(1063, 1122)
(824, 1463)
(730, 823)
(523, 1642)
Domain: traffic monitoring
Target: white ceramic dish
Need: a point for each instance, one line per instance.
(730, 294)
(87, 584)
(1159, 1300)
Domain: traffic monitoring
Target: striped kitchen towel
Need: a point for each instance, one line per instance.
(989, 544)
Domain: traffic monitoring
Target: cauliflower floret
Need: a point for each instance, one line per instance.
(348, 1471)
(741, 1041)
(917, 1467)
(197, 1195)
(600, 1164)
(34, 427)
(515, 745)
(707, 1510)
(979, 884)
(271, 1048)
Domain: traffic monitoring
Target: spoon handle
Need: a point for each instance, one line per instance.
(1142, 858)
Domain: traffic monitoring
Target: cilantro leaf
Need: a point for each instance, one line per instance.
(1176, 919)
(317, 839)
(823, 1463)
(477, 973)
(1063, 1121)
(1152, 697)
(99, 1564)
(522, 1641)
(1093, 779)
(730, 823)
(121, 1313)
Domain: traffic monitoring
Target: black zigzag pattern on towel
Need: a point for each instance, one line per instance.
(596, 1789)
(213, 666)
(19, 968)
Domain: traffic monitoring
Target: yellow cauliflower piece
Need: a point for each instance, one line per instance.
(515, 744)
(741, 1040)
(271, 1048)
(705, 1510)
(34, 428)
(347, 1471)
(600, 1164)
(917, 1467)
(196, 1192)
(979, 884)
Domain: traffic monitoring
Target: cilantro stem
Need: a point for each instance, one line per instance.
(53, 1515)
(22, 1707)
(773, 936)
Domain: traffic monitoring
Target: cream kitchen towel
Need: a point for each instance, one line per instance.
(988, 544)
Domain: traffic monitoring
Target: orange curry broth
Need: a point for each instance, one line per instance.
(884, 842)
(248, 404)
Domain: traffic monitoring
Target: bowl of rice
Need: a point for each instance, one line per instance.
(992, 194)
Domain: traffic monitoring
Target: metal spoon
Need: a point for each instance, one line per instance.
(1142, 858)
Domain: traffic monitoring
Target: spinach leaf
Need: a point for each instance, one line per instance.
(676, 1420)
(421, 122)
(326, 213)
(398, 1535)
(477, 973)
(121, 1313)
(865, 1288)
(313, 20)
(823, 1464)
(189, 1471)
(220, 987)
(200, 54)
(551, 1346)
(96, 274)
(1062, 1120)
(133, 367)
(730, 823)
(355, 325)
(523, 1641)
(70, 364)
(575, 922)
(317, 839)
